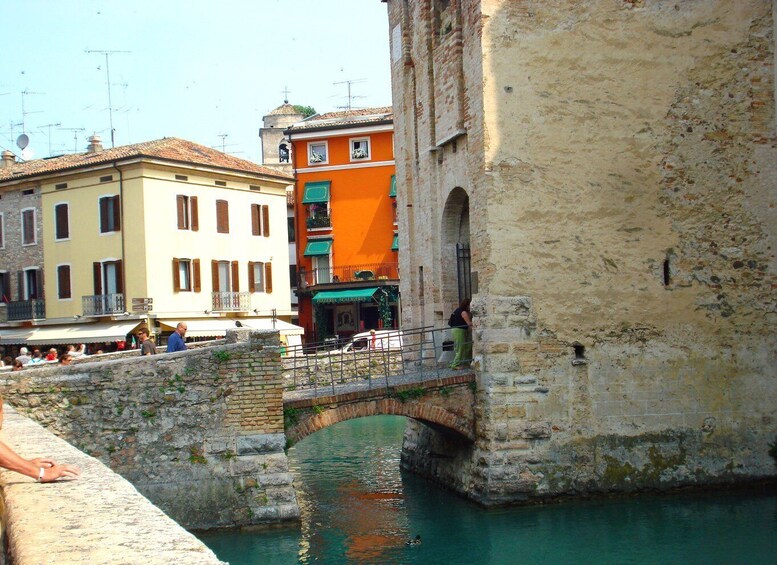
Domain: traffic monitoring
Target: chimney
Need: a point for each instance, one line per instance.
(95, 144)
(8, 160)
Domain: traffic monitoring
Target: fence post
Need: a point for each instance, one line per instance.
(331, 371)
(434, 354)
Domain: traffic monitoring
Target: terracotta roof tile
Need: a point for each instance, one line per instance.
(168, 149)
(345, 118)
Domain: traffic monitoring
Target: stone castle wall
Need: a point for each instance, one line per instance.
(619, 171)
(200, 433)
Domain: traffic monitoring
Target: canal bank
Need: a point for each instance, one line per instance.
(358, 507)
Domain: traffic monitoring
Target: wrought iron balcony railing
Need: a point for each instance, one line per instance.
(26, 310)
(3, 312)
(349, 274)
(231, 301)
(320, 221)
(103, 304)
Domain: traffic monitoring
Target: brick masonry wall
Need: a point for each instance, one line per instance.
(200, 432)
(619, 165)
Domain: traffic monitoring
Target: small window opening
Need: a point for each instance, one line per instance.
(221, 183)
(254, 187)
(579, 352)
(181, 177)
(667, 273)
(28, 192)
(107, 178)
(60, 186)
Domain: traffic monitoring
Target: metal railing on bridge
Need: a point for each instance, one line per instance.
(394, 357)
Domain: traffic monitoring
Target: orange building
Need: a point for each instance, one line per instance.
(345, 210)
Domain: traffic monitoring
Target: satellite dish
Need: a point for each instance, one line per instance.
(28, 153)
(22, 141)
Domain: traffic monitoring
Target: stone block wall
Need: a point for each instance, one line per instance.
(200, 432)
(15, 257)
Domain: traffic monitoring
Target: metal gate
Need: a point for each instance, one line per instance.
(464, 274)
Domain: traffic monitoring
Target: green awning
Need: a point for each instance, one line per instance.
(316, 192)
(351, 295)
(318, 247)
(393, 189)
(395, 243)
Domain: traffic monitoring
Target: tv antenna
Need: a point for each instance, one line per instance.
(223, 136)
(75, 137)
(108, 77)
(26, 92)
(49, 135)
(351, 97)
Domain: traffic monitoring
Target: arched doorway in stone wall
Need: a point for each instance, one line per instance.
(455, 256)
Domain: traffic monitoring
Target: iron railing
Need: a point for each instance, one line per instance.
(316, 369)
(26, 310)
(231, 301)
(320, 221)
(3, 312)
(348, 274)
(103, 304)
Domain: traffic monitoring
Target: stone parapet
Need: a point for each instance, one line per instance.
(98, 519)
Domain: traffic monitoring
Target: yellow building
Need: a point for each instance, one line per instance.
(156, 232)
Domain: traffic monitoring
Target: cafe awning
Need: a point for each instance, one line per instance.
(82, 333)
(316, 192)
(15, 337)
(348, 295)
(217, 327)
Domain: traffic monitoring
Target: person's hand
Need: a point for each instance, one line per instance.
(55, 472)
(42, 462)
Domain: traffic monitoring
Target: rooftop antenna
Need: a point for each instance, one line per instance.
(108, 76)
(50, 126)
(75, 137)
(350, 96)
(26, 92)
(223, 136)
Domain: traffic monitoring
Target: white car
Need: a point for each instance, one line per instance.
(380, 339)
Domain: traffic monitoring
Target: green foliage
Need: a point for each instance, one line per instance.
(306, 111)
(148, 414)
(409, 394)
(445, 392)
(318, 409)
(229, 454)
(222, 356)
(473, 386)
(196, 456)
(120, 409)
(290, 416)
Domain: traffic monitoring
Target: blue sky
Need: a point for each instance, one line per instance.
(196, 69)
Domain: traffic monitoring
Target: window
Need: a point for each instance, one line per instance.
(255, 276)
(222, 216)
(224, 276)
(107, 178)
(360, 149)
(293, 276)
(2, 231)
(5, 287)
(28, 227)
(181, 177)
(260, 220)
(60, 186)
(63, 282)
(110, 214)
(283, 152)
(187, 212)
(318, 153)
(108, 277)
(292, 233)
(31, 284)
(186, 275)
(61, 222)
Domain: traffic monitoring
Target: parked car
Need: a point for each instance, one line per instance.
(380, 339)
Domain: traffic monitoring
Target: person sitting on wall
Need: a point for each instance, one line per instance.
(176, 340)
(147, 346)
(460, 323)
(17, 366)
(43, 469)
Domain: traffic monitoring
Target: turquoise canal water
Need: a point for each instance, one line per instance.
(358, 508)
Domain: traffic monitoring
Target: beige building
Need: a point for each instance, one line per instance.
(610, 167)
(152, 233)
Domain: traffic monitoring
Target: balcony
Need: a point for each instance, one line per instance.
(231, 301)
(3, 312)
(349, 274)
(22, 310)
(103, 304)
(319, 221)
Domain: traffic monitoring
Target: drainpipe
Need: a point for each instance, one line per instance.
(123, 232)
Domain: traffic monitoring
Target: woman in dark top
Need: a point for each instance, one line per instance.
(460, 323)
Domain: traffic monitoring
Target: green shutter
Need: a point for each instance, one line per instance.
(318, 247)
(393, 189)
(395, 243)
(316, 192)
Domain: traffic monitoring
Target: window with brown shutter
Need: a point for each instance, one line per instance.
(251, 281)
(255, 219)
(97, 276)
(176, 275)
(268, 277)
(194, 218)
(266, 221)
(196, 275)
(214, 275)
(63, 281)
(61, 220)
(222, 216)
(110, 214)
(119, 277)
(235, 277)
(28, 226)
(116, 214)
(180, 208)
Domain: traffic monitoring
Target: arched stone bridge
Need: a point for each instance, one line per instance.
(445, 404)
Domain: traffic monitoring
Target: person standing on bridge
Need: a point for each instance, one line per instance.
(147, 346)
(176, 340)
(461, 323)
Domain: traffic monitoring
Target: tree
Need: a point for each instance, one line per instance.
(306, 111)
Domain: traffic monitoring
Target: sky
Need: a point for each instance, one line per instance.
(200, 70)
